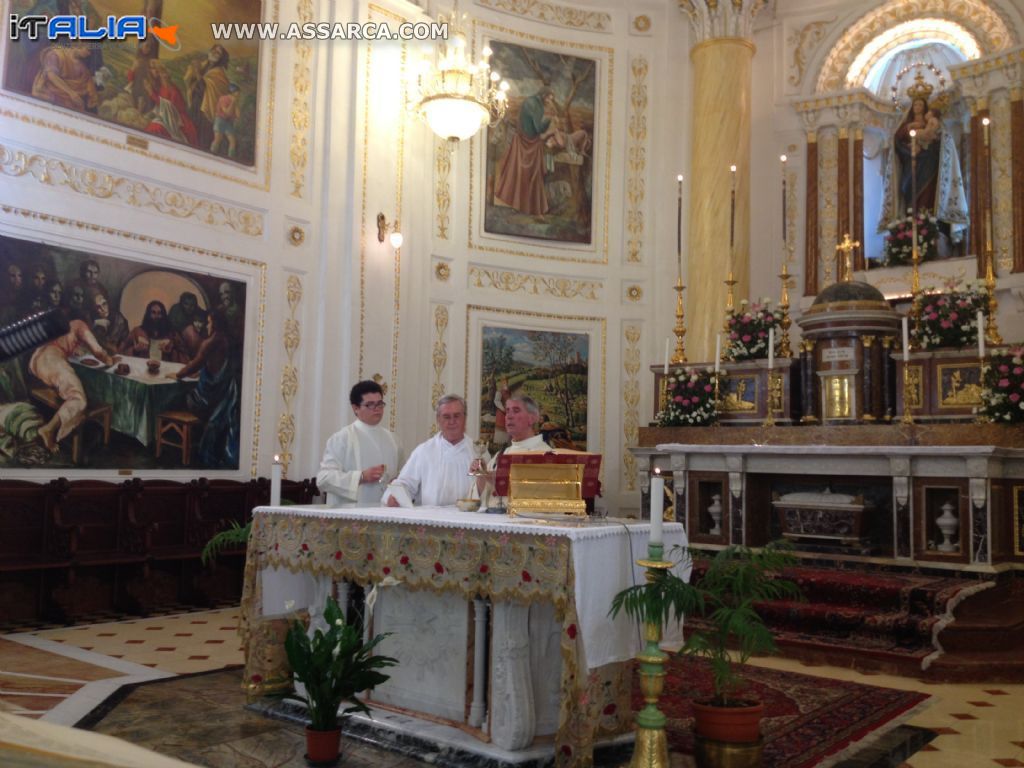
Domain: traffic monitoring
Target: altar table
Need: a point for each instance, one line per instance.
(523, 567)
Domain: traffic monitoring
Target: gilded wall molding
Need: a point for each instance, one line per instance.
(302, 80)
(442, 189)
(93, 182)
(636, 154)
(439, 357)
(292, 338)
(552, 13)
(510, 281)
(976, 16)
(630, 401)
(146, 240)
(803, 41)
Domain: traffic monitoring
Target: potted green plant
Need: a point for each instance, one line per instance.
(333, 666)
(734, 580)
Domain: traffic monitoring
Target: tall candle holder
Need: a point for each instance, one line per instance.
(730, 301)
(651, 747)
(774, 381)
(785, 321)
(907, 417)
(992, 335)
(680, 328)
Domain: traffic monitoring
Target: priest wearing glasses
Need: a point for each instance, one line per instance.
(358, 458)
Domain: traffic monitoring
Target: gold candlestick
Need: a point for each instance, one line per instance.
(680, 329)
(908, 417)
(784, 348)
(651, 747)
(730, 303)
(771, 397)
(992, 336)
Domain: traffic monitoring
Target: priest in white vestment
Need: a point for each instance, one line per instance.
(522, 415)
(437, 472)
(359, 458)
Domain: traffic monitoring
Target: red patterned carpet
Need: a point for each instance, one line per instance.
(807, 718)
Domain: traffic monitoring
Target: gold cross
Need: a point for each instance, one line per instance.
(846, 247)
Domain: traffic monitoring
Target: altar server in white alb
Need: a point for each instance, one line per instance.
(437, 472)
(359, 458)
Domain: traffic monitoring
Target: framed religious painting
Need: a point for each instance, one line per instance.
(156, 370)
(554, 359)
(543, 166)
(183, 86)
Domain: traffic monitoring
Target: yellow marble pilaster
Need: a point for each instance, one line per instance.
(721, 138)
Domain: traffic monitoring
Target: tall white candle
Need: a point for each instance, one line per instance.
(657, 506)
(667, 342)
(718, 352)
(771, 348)
(981, 334)
(906, 340)
(783, 159)
(275, 482)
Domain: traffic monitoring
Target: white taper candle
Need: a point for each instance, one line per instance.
(657, 506)
(275, 482)
(981, 334)
(906, 340)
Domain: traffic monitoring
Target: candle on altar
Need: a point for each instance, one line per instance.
(981, 335)
(783, 159)
(718, 352)
(275, 482)
(985, 123)
(679, 227)
(732, 210)
(987, 202)
(657, 506)
(906, 340)
(771, 348)
(667, 341)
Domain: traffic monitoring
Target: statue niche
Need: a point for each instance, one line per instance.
(923, 176)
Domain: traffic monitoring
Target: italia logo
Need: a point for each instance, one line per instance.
(79, 28)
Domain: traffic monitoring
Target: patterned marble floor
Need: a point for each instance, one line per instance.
(60, 675)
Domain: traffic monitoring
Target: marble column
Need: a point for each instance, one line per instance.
(811, 206)
(843, 201)
(859, 262)
(722, 58)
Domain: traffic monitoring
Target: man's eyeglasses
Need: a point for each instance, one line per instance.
(375, 405)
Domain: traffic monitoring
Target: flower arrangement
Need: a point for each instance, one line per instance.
(1002, 396)
(748, 328)
(690, 399)
(899, 243)
(949, 319)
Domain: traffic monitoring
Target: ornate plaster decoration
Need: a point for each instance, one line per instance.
(92, 182)
(828, 192)
(976, 16)
(296, 235)
(1002, 183)
(442, 271)
(528, 282)
(636, 155)
(302, 80)
(146, 240)
(440, 353)
(442, 190)
(641, 24)
(803, 41)
(552, 13)
(711, 19)
(635, 293)
(630, 401)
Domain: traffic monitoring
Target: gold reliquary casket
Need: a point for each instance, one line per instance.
(548, 483)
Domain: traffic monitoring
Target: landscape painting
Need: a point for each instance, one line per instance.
(198, 92)
(148, 376)
(549, 366)
(540, 156)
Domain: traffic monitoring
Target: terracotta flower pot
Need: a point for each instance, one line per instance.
(322, 747)
(740, 723)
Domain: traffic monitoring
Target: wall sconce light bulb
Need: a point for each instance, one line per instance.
(396, 239)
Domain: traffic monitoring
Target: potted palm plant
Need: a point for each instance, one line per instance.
(333, 666)
(734, 580)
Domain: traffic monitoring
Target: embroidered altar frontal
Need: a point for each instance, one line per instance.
(471, 555)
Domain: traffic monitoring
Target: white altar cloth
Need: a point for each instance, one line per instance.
(604, 554)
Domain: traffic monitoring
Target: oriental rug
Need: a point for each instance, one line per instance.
(807, 719)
